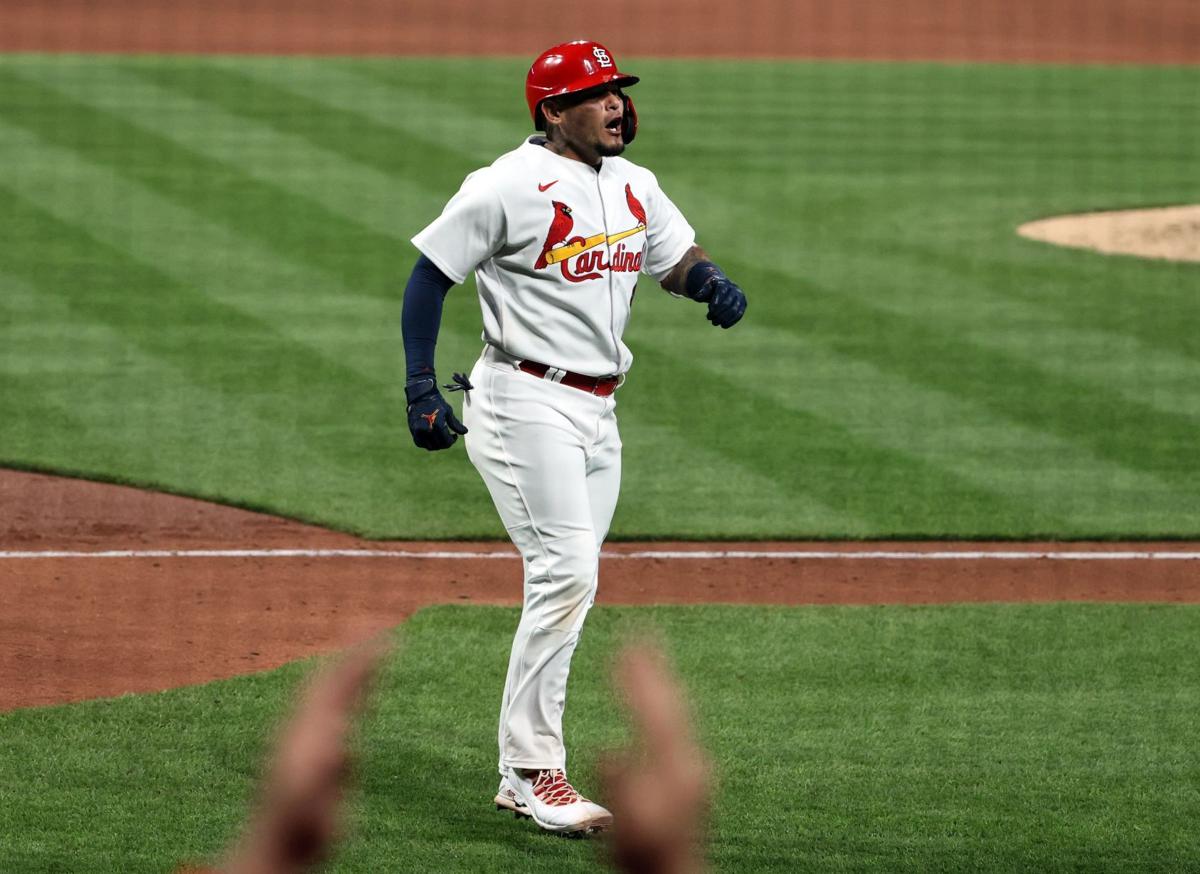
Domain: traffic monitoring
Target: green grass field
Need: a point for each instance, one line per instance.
(202, 263)
(983, 738)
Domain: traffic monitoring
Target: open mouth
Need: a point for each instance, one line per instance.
(613, 125)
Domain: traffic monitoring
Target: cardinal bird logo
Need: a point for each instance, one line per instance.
(635, 206)
(560, 229)
(593, 254)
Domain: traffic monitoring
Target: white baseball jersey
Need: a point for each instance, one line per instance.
(556, 247)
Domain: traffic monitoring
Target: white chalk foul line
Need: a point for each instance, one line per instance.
(821, 555)
(916, 555)
(257, 553)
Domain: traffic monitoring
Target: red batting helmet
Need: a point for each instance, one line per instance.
(572, 67)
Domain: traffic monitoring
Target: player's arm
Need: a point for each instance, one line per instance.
(430, 419)
(698, 278)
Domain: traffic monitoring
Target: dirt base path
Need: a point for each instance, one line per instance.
(1066, 31)
(75, 627)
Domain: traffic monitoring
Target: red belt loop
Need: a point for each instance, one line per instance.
(601, 386)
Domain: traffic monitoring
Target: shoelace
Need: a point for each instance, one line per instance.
(553, 789)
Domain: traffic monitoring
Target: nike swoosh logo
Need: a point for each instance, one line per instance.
(547, 185)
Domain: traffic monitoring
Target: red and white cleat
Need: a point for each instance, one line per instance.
(508, 799)
(554, 804)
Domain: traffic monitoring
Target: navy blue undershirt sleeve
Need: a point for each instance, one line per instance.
(422, 315)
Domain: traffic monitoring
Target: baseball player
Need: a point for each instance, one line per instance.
(556, 232)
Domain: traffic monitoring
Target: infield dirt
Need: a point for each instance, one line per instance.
(77, 628)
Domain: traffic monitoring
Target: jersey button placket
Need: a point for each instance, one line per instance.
(612, 309)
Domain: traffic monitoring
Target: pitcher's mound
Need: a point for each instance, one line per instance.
(1171, 233)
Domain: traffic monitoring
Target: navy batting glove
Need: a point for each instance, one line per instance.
(726, 302)
(430, 419)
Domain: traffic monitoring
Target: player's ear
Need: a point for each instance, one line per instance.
(551, 111)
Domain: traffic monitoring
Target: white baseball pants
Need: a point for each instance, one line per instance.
(550, 455)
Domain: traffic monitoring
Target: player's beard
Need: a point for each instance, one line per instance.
(605, 146)
(584, 143)
(605, 151)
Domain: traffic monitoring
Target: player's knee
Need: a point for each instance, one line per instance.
(573, 577)
(568, 585)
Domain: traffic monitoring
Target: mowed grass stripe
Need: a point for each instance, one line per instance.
(880, 304)
(397, 205)
(988, 738)
(1068, 302)
(164, 317)
(944, 361)
(31, 409)
(1071, 122)
(898, 493)
(169, 286)
(50, 349)
(460, 79)
(963, 210)
(240, 343)
(460, 138)
(899, 249)
(226, 123)
(307, 307)
(362, 169)
(767, 500)
(954, 433)
(1035, 397)
(469, 101)
(139, 402)
(267, 440)
(293, 225)
(1066, 309)
(1054, 310)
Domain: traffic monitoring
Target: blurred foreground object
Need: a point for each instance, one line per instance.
(658, 788)
(298, 815)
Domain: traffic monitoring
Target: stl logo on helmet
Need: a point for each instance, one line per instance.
(602, 57)
(561, 248)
